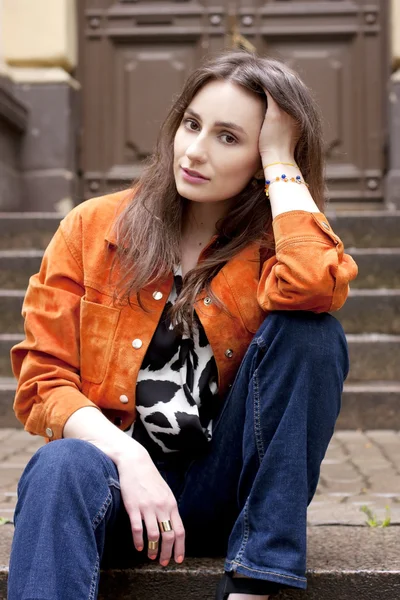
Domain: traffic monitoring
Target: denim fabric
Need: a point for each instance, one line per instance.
(246, 499)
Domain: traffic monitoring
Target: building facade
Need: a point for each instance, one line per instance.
(85, 85)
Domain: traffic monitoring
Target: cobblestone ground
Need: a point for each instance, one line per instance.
(360, 468)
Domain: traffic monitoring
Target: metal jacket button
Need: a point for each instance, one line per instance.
(229, 353)
(157, 295)
(137, 343)
(207, 300)
(49, 432)
(124, 399)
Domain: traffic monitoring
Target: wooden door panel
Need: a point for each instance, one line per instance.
(146, 77)
(136, 57)
(327, 67)
(136, 54)
(340, 50)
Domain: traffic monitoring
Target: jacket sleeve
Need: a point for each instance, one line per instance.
(47, 362)
(310, 270)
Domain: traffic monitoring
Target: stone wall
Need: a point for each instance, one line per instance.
(39, 41)
(38, 57)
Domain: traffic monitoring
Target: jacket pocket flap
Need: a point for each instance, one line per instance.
(98, 324)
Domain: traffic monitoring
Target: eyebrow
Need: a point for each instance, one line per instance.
(226, 124)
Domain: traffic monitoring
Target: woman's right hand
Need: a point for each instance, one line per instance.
(147, 497)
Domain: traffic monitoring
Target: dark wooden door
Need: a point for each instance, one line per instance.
(136, 54)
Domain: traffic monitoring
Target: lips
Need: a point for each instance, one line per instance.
(194, 173)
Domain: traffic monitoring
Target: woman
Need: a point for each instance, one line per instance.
(179, 356)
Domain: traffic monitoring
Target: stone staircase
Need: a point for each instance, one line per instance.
(343, 561)
(370, 317)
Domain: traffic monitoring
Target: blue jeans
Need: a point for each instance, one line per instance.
(246, 499)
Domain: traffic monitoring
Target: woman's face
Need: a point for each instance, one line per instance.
(226, 154)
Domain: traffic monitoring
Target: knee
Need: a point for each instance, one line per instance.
(67, 459)
(64, 453)
(316, 336)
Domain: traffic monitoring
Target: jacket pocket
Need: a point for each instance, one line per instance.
(98, 324)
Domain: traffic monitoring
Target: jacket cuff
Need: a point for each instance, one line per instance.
(47, 419)
(301, 224)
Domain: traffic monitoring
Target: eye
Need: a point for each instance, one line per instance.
(233, 141)
(228, 135)
(189, 121)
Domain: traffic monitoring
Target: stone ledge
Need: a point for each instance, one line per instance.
(12, 110)
(343, 562)
(42, 75)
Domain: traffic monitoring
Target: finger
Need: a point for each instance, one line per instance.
(137, 529)
(267, 97)
(179, 530)
(153, 533)
(272, 106)
(168, 539)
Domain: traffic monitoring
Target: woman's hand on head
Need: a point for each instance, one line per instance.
(279, 134)
(147, 497)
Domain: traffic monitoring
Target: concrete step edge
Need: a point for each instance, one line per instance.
(357, 338)
(332, 213)
(36, 252)
(11, 337)
(372, 386)
(21, 253)
(335, 569)
(35, 215)
(353, 292)
(374, 292)
(351, 337)
(329, 212)
(10, 383)
(370, 251)
(12, 293)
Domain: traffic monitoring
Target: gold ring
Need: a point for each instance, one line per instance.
(153, 545)
(165, 525)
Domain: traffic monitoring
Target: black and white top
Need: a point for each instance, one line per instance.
(176, 389)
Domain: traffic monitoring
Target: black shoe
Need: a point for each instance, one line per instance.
(243, 585)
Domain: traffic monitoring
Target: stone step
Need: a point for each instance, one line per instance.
(365, 311)
(378, 267)
(334, 569)
(358, 228)
(369, 405)
(372, 356)
(346, 559)
(16, 266)
(7, 341)
(8, 386)
(27, 230)
(365, 405)
(371, 311)
(366, 229)
(11, 320)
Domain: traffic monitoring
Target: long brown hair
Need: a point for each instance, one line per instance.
(149, 228)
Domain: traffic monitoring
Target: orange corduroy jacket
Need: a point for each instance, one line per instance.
(80, 350)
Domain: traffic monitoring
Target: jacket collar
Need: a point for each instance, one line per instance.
(111, 235)
(111, 238)
(249, 252)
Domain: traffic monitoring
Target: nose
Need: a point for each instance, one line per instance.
(196, 152)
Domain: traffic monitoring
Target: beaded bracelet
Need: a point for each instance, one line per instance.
(281, 163)
(283, 177)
